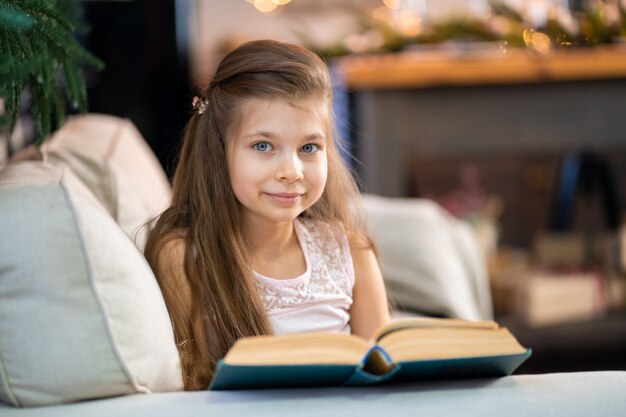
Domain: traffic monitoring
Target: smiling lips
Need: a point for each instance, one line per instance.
(285, 197)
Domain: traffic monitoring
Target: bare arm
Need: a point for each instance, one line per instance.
(369, 308)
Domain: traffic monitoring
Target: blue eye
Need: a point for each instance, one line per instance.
(310, 148)
(262, 146)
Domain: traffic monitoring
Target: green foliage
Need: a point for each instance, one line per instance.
(597, 22)
(39, 53)
(459, 29)
(594, 27)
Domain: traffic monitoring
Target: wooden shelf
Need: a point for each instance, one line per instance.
(515, 66)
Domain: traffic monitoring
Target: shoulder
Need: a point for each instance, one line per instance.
(321, 230)
(363, 258)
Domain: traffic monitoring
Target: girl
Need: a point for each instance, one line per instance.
(265, 233)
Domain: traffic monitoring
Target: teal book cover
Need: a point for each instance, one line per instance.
(415, 349)
(376, 368)
(236, 377)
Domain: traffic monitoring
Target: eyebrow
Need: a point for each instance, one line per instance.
(260, 133)
(270, 135)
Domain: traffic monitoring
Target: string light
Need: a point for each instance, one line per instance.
(405, 15)
(538, 41)
(268, 6)
(265, 6)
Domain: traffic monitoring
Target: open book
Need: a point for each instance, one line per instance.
(403, 350)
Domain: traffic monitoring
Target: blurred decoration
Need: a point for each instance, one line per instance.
(471, 203)
(41, 61)
(541, 26)
(268, 6)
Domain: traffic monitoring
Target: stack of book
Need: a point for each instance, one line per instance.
(570, 279)
(565, 280)
(552, 297)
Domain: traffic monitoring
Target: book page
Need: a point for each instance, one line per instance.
(298, 349)
(420, 322)
(439, 343)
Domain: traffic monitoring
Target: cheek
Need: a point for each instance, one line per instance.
(242, 178)
(239, 165)
(238, 175)
(321, 173)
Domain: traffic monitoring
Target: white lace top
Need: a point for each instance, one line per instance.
(319, 299)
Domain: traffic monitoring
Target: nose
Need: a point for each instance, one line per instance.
(290, 169)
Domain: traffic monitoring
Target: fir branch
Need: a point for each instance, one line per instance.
(74, 90)
(40, 53)
(11, 19)
(42, 10)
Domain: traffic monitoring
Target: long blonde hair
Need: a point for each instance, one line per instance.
(205, 213)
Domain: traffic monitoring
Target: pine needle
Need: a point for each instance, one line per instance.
(39, 53)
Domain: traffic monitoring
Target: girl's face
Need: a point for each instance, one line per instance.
(277, 158)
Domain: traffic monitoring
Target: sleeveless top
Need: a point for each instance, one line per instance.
(319, 299)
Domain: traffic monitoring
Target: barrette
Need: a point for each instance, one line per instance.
(199, 105)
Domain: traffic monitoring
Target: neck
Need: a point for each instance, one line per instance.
(267, 239)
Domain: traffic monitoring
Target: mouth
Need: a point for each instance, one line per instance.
(285, 197)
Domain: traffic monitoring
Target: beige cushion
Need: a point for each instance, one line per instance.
(111, 158)
(81, 314)
(431, 262)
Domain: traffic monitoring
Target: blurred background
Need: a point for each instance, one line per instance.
(509, 114)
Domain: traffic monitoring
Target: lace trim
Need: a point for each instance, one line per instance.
(329, 276)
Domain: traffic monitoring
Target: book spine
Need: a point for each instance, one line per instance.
(376, 368)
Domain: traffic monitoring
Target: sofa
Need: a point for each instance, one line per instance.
(571, 395)
(84, 329)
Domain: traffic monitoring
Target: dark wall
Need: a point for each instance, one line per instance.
(146, 76)
(417, 142)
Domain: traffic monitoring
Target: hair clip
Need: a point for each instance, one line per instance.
(199, 105)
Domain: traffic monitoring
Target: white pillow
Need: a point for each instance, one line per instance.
(81, 314)
(111, 158)
(431, 261)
